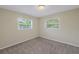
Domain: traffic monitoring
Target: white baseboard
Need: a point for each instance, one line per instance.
(6, 46)
(60, 41)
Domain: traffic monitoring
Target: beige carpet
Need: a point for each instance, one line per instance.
(41, 46)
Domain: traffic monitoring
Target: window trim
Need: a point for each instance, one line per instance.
(50, 19)
(18, 26)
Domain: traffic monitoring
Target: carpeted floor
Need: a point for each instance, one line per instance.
(41, 46)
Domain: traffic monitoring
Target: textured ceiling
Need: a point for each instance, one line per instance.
(33, 11)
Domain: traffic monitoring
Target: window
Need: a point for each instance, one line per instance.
(53, 23)
(24, 23)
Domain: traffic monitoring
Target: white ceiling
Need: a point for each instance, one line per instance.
(33, 11)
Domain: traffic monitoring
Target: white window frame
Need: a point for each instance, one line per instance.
(20, 19)
(52, 19)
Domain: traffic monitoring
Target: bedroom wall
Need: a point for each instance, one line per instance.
(9, 33)
(68, 32)
(69, 28)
